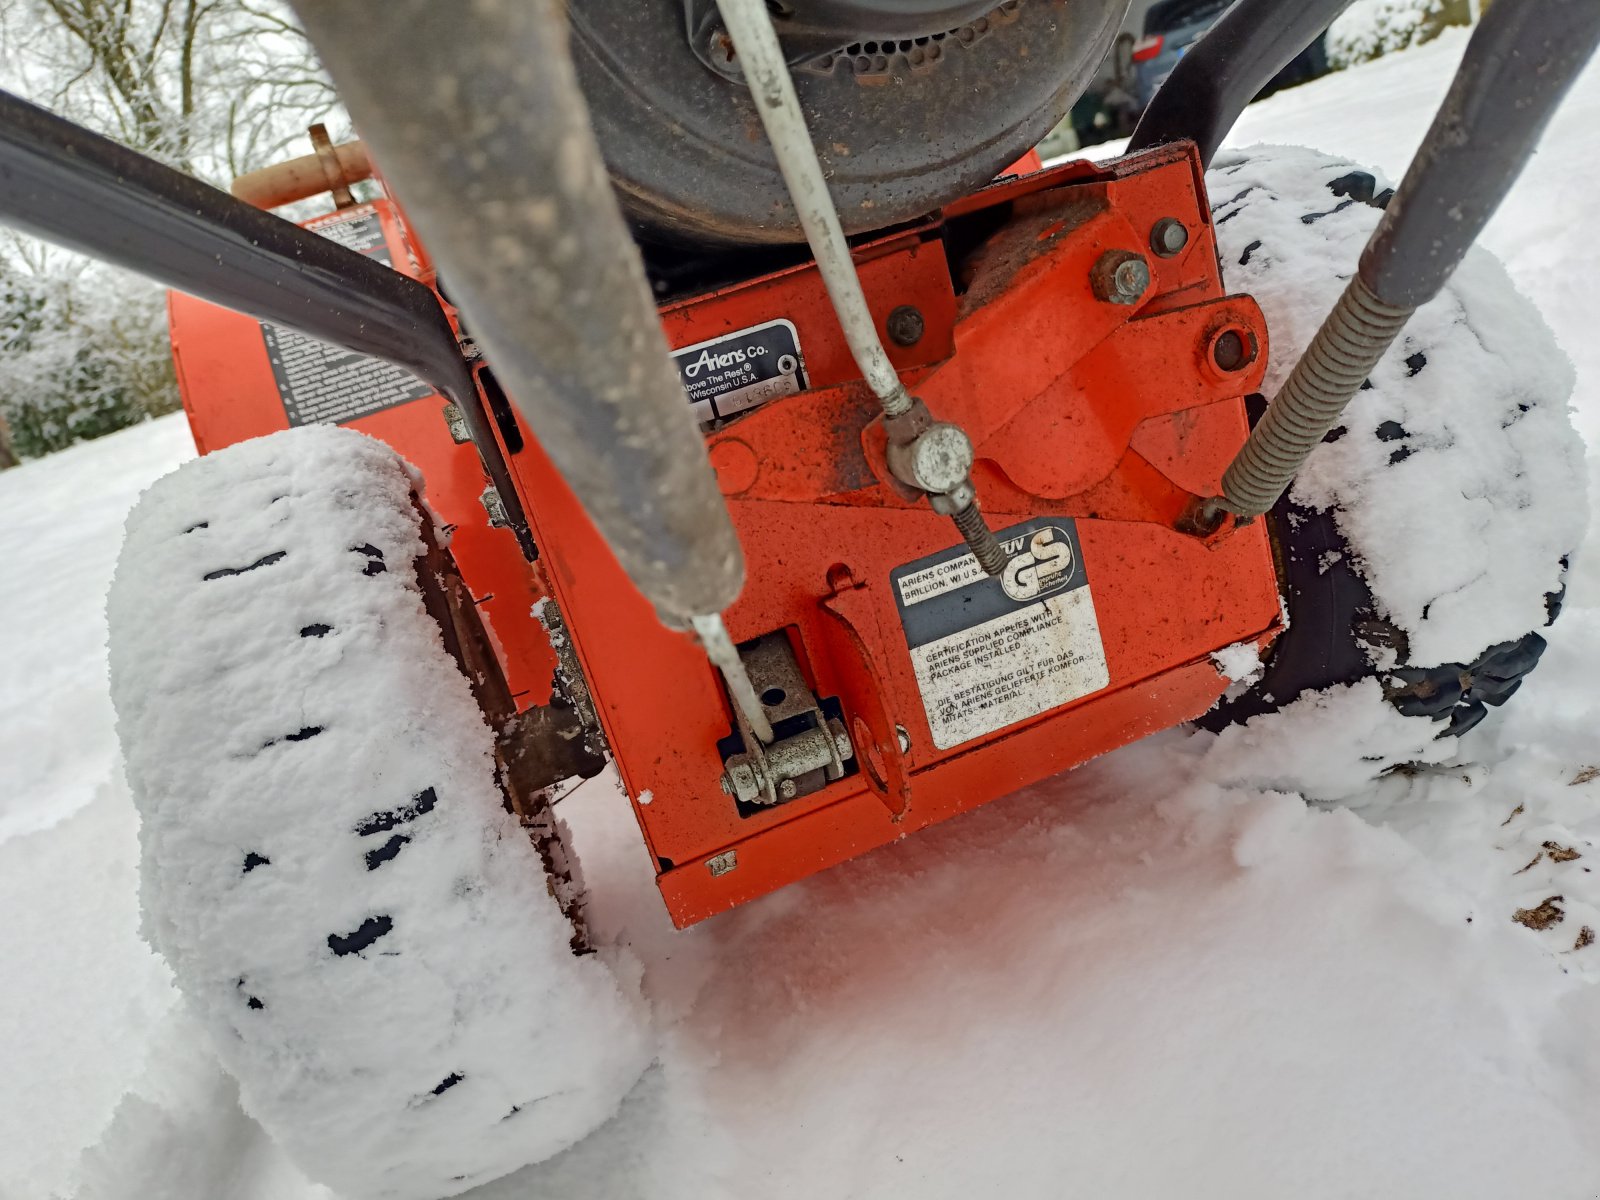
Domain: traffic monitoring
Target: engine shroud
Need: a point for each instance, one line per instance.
(902, 125)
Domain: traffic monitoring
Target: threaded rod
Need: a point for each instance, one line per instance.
(980, 539)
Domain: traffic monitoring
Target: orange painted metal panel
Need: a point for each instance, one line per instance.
(1096, 425)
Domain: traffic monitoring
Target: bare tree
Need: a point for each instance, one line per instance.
(214, 87)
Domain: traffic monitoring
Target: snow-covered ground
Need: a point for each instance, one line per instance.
(1146, 979)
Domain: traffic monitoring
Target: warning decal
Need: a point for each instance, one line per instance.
(323, 384)
(988, 652)
(737, 371)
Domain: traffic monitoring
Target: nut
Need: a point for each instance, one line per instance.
(958, 499)
(1120, 277)
(841, 739)
(740, 780)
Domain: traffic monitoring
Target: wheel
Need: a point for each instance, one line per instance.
(1425, 543)
(327, 864)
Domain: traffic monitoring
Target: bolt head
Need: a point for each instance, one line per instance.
(787, 789)
(1168, 236)
(1233, 350)
(905, 326)
(721, 56)
(1133, 278)
(1120, 277)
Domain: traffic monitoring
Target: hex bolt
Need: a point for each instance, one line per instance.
(1120, 277)
(786, 789)
(1168, 236)
(905, 325)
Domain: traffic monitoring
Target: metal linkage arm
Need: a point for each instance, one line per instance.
(930, 455)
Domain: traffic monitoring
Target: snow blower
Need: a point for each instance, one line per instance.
(722, 391)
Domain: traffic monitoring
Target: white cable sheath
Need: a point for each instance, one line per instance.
(759, 55)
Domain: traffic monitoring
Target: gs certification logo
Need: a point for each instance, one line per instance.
(1043, 563)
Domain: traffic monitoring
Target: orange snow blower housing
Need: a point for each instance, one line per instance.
(1072, 320)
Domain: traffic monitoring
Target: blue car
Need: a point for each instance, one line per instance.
(1172, 26)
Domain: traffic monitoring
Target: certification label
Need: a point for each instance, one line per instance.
(989, 652)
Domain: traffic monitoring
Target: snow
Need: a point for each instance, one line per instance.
(1369, 28)
(1239, 663)
(58, 543)
(1312, 745)
(1153, 977)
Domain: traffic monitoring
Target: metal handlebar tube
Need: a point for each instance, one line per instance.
(66, 185)
(474, 113)
(1522, 59)
(926, 454)
(1519, 65)
(1227, 67)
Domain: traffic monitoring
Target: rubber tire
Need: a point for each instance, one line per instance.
(327, 864)
(1339, 634)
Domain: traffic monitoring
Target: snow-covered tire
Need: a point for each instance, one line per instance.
(327, 864)
(1426, 541)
